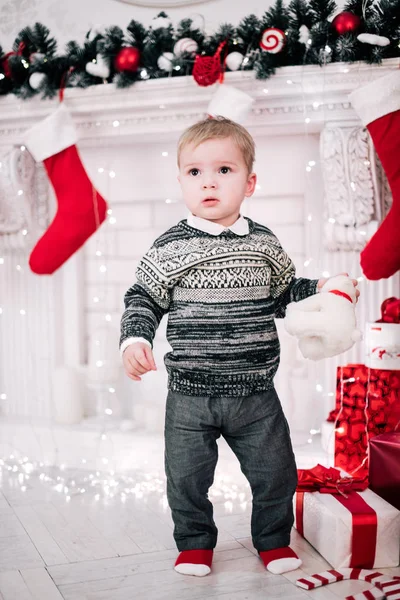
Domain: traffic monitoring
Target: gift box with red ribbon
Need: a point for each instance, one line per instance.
(384, 466)
(382, 338)
(367, 402)
(349, 525)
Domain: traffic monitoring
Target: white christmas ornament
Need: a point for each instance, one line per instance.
(99, 68)
(36, 80)
(160, 23)
(304, 34)
(374, 40)
(164, 61)
(234, 61)
(231, 103)
(185, 45)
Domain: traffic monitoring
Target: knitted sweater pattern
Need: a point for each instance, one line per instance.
(222, 294)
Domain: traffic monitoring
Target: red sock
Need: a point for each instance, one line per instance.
(378, 105)
(80, 208)
(280, 560)
(194, 562)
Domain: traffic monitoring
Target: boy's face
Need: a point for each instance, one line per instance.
(214, 180)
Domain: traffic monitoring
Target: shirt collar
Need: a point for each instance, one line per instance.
(240, 227)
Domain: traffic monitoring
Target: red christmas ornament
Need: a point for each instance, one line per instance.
(127, 59)
(346, 22)
(208, 69)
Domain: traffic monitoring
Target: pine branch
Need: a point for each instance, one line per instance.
(276, 16)
(321, 10)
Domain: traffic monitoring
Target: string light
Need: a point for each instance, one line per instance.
(116, 123)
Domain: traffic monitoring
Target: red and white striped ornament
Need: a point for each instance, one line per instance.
(273, 40)
(185, 45)
(384, 585)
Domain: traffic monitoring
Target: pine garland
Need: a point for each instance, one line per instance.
(35, 51)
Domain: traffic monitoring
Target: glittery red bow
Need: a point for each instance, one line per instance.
(328, 480)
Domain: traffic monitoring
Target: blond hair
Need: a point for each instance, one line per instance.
(219, 127)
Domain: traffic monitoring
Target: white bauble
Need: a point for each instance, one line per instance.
(160, 23)
(164, 61)
(234, 61)
(304, 34)
(99, 68)
(185, 45)
(36, 80)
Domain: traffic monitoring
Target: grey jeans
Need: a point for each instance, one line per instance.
(257, 431)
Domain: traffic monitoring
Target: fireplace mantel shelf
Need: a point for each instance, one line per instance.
(161, 107)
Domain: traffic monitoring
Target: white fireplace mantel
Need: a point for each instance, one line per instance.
(162, 107)
(159, 110)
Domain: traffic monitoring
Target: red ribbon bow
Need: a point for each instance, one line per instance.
(390, 311)
(328, 480)
(4, 60)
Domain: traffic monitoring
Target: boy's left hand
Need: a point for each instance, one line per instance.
(321, 282)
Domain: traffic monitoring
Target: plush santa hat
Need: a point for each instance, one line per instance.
(230, 102)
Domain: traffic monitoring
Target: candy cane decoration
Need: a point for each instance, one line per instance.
(383, 583)
(273, 40)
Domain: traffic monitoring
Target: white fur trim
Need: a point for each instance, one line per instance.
(231, 103)
(283, 565)
(55, 133)
(378, 98)
(192, 569)
(130, 341)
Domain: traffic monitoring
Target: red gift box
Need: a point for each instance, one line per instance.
(384, 466)
(367, 400)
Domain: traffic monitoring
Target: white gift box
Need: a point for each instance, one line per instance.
(327, 526)
(382, 346)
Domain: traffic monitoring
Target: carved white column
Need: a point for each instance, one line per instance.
(356, 199)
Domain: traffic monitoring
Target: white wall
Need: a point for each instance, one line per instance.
(72, 19)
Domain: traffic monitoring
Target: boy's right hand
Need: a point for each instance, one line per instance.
(137, 360)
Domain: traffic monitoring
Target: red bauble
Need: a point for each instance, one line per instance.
(346, 22)
(127, 59)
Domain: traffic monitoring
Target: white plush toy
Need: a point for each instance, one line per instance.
(325, 323)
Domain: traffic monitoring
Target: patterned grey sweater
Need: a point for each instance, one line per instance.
(222, 294)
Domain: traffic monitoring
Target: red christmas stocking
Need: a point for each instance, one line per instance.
(378, 106)
(81, 209)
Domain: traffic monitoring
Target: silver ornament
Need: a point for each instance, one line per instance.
(36, 80)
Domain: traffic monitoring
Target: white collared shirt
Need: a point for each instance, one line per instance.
(240, 227)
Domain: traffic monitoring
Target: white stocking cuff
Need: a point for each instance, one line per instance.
(52, 135)
(378, 98)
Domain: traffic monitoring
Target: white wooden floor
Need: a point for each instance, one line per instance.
(121, 548)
